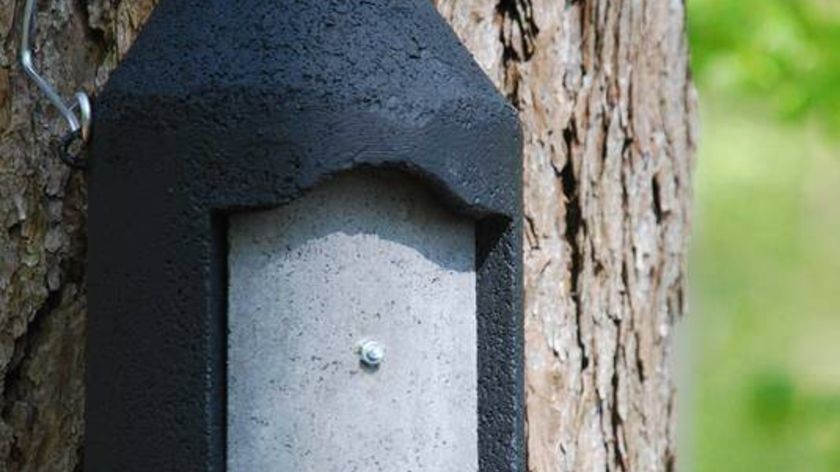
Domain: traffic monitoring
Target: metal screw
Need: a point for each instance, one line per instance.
(371, 353)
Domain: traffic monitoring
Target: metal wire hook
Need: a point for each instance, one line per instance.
(79, 126)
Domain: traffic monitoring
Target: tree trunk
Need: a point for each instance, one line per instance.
(42, 227)
(605, 97)
(607, 107)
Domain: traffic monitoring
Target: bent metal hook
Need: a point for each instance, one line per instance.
(79, 126)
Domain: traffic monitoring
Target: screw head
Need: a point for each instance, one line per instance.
(371, 353)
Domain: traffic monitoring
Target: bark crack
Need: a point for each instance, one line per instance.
(574, 225)
(519, 43)
(518, 34)
(657, 201)
(616, 420)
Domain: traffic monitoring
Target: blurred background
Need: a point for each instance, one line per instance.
(760, 367)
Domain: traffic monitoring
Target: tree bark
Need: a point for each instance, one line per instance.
(607, 106)
(42, 227)
(605, 97)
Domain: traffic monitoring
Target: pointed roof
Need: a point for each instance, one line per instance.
(336, 83)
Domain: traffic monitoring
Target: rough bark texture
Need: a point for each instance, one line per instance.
(606, 102)
(42, 223)
(607, 106)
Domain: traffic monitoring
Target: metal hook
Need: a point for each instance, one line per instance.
(79, 126)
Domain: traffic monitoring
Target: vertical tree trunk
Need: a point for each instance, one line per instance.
(607, 107)
(42, 227)
(606, 102)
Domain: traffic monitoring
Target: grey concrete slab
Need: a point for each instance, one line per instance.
(364, 257)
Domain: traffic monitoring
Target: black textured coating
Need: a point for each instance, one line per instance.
(225, 106)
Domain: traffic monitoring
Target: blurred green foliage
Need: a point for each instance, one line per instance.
(765, 271)
(772, 400)
(765, 302)
(784, 51)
